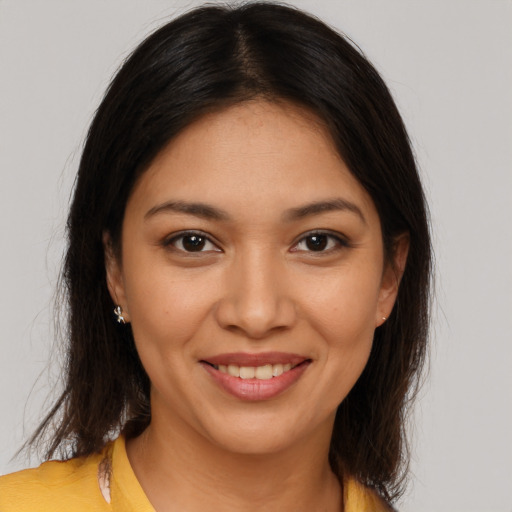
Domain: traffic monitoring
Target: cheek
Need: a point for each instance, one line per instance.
(164, 324)
(342, 312)
(165, 310)
(343, 305)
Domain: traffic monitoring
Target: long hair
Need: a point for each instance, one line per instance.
(204, 61)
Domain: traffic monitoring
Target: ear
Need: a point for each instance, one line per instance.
(391, 277)
(114, 272)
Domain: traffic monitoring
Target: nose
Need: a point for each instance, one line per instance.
(256, 299)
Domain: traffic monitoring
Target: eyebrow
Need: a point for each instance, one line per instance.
(209, 212)
(202, 210)
(329, 205)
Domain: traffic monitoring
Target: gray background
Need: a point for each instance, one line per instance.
(449, 66)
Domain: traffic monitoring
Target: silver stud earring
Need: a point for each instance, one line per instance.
(384, 318)
(118, 311)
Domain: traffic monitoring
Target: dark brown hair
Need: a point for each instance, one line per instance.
(203, 61)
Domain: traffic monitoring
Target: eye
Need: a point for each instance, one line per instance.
(191, 242)
(320, 242)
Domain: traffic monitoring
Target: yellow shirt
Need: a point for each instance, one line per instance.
(106, 483)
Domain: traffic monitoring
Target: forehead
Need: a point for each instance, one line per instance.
(276, 154)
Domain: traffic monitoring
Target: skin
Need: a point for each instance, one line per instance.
(256, 286)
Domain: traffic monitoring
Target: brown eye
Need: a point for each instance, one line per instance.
(191, 242)
(317, 242)
(320, 242)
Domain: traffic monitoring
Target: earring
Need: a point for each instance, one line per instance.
(384, 319)
(118, 311)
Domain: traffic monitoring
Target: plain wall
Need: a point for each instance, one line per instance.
(449, 66)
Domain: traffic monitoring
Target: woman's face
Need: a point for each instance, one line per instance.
(253, 276)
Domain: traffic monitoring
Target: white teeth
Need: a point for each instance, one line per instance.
(277, 369)
(233, 370)
(264, 372)
(247, 372)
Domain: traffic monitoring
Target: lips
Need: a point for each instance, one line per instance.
(256, 376)
(245, 359)
(267, 371)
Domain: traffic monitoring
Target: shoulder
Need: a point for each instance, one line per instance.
(359, 498)
(54, 486)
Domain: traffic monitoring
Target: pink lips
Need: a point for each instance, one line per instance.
(256, 389)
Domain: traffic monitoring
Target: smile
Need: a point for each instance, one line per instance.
(256, 376)
(265, 372)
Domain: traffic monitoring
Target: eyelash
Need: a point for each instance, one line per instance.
(339, 241)
(170, 242)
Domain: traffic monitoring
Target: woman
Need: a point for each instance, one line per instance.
(248, 276)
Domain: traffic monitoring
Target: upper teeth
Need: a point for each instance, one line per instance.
(255, 372)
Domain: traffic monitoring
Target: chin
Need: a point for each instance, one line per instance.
(265, 434)
(254, 442)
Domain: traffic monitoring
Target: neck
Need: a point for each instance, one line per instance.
(181, 470)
